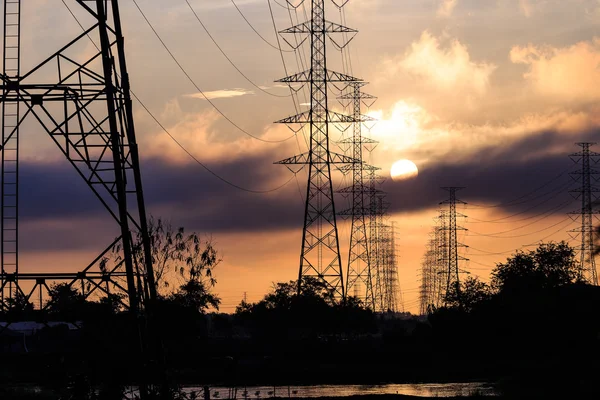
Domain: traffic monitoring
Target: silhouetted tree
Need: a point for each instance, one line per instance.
(18, 306)
(472, 292)
(550, 265)
(183, 264)
(65, 302)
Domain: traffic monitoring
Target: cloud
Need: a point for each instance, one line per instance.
(448, 68)
(446, 8)
(408, 130)
(221, 94)
(566, 73)
(202, 135)
(526, 8)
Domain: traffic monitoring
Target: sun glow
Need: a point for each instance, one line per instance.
(403, 170)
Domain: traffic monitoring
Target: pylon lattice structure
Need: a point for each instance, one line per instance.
(452, 258)
(429, 292)
(84, 106)
(440, 239)
(320, 253)
(587, 176)
(359, 277)
(392, 301)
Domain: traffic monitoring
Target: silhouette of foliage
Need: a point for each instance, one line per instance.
(472, 292)
(550, 265)
(65, 302)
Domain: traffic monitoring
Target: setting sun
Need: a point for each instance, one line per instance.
(403, 170)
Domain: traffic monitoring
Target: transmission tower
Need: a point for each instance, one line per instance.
(393, 298)
(320, 253)
(587, 193)
(374, 244)
(440, 238)
(359, 266)
(452, 244)
(84, 106)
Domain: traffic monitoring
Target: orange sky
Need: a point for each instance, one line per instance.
(486, 94)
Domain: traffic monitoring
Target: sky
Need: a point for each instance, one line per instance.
(490, 95)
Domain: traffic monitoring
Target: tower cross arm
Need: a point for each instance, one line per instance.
(306, 76)
(332, 116)
(305, 158)
(330, 27)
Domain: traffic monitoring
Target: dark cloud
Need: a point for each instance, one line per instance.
(193, 198)
(517, 178)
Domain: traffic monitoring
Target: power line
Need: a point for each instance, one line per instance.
(175, 140)
(545, 215)
(528, 209)
(198, 88)
(525, 195)
(227, 57)
(255, 31)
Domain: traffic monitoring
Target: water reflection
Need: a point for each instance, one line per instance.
(418, 389)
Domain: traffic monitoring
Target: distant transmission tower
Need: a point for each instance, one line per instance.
(359, 262)
(441, 272)
(587, 193)
(320, 253)
(393, 296)
(452, 244)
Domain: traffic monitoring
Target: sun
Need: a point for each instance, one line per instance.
(403, 170)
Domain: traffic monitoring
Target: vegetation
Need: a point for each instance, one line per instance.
(534, 322)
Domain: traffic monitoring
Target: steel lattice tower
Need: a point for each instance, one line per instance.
(320, 254)
(587, 193)
(85, 108)
(393, 296)
(373, 179)
(440, 237)
(452, 244)
(359, 262)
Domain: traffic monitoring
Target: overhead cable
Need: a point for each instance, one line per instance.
(198, 88)
(227, 57)
(175, 140)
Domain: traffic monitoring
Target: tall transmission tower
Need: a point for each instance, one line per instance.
(452, 244)
(320, 253)
(587, 193)
(84, 106)
(359, 262)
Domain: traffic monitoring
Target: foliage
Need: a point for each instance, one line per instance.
(550, 265)
(472, 292)
(183, 264)
(65, 302)
(313, 311)
(19, 306)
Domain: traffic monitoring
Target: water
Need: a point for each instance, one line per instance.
(416, 389)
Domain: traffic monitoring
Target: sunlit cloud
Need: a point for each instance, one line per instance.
(526, 8)
(444, 67)
(446, 8)
(221, 94)
(566, 74)
(410, 131)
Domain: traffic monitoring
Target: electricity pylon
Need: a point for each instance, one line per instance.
(374, 244)
(587, 193)
(320, 253)
(452, 244)
(83, 104)
(393, 296)
(359, 262)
